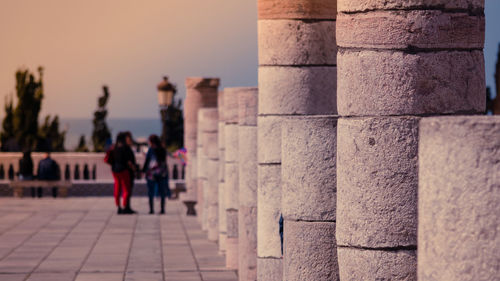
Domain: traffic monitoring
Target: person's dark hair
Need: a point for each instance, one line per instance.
(121, 138)
(128, 134)
(158, 149)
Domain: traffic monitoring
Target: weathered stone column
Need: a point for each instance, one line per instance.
(209, 122)
(308, 172)
(247, 211)
(200, 93)
(201, 169)
(459, 198)
(297, 76)
(398, 60)
(222, 164)
(231, 184)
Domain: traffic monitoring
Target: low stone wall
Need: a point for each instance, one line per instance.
(74, 165)
(86, 188)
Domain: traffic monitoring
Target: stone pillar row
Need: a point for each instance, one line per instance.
(297, 85)
(201, 177)
(397, 61)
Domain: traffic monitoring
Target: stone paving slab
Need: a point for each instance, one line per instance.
(82, 239)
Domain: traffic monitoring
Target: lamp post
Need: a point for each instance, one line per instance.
(169, 113)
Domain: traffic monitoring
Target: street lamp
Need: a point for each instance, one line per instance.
(166, 92)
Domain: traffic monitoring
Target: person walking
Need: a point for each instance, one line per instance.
(122, 161)
(155, 168)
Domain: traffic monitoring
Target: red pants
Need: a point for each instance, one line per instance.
(123, 185)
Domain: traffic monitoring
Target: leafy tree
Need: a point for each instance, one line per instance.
(49, 136)
(20, 125)
(7, 135)
(25, 118)
(101, 133)
(82, 145)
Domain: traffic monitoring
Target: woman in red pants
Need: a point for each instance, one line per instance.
(122, 163)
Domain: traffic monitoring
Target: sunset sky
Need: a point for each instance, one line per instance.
(129, 45)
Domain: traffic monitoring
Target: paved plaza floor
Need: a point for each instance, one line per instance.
(83, 239)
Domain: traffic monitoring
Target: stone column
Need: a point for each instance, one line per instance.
(231, 184)
(397, 60)
(222, 164)
(209, 123)
(297, 77)
(308, 172)
(201, 180)
(459, 198)
(200, 93)
(247, 211)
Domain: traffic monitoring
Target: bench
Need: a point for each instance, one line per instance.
(19, 186)
(179, 187)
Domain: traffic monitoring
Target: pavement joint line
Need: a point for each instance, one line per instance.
(18, 223)
(28, 237)
(101, 231)
(189, 243)
(161, 247)
(72, 227)
(136, 216)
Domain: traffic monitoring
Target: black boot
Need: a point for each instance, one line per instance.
(119, 211)
(151, 207)
(128, 211)
(162, 206)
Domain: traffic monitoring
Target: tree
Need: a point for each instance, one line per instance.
(82, 145)
(20, 125)
(49, 136)
(29, 101)
(101, 133)
(7, 136)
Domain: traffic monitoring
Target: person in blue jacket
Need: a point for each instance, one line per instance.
(156, 171)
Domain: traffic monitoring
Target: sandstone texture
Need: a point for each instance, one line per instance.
(269, 139)
(202, 82)
(459, 198)
(377, 182)
(232, 223)
(247, 107)
(308, 169)
(421, 29)
(210, 146)
(231, 185)
(220, 105)
(397, 83)
(231, 143)
(231, 104)
(269, 269)
(293, 42)
(268, 211)
(297, 9)
(310, 251)
(367, 5)
(359, 264)
(247, 238)
(232, 253)
(297, 90)
(247, 173)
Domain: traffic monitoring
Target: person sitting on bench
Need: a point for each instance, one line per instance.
(48, 170)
